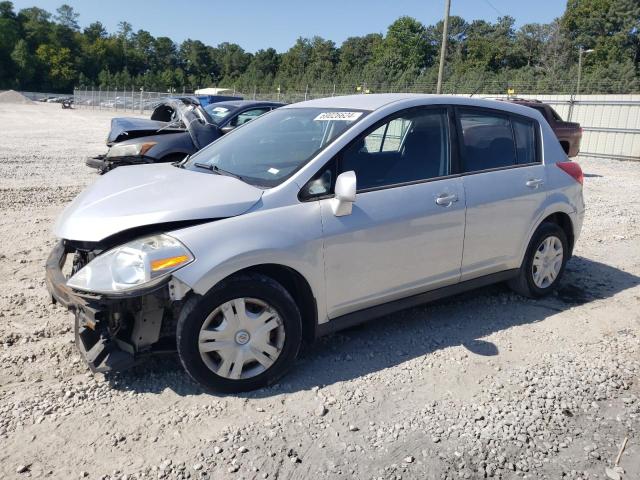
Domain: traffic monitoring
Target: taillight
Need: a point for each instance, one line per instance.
(573, 169)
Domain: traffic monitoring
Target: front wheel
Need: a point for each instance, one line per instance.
(242, 335)
(544, 262)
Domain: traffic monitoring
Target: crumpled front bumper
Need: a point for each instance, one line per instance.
(110, 332)
(103, 164)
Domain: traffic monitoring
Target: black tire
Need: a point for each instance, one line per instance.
(196, 310)
(524, 283)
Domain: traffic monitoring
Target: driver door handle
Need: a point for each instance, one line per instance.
(534, 182)
(445, 199)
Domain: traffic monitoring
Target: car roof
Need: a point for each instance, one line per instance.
(233, 104)
(376, 101)
(521, 100)
(357, 102)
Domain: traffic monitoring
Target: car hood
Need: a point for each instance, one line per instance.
(144, 195)
(124, 128)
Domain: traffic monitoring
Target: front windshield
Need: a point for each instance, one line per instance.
(217, 113)
(268, 150)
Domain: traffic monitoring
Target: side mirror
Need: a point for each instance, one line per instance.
(345, 194)
(226, 129)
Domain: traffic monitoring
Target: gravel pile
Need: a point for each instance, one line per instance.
(487, 385)
(11, 96)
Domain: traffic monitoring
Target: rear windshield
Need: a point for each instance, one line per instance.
(268, 150)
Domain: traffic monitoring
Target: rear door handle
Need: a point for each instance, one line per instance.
(534, 182)
(446, 199)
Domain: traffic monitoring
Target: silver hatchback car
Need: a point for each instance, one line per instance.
(312, 218)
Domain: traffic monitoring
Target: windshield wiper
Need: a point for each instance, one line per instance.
(218, 170)
(180, 163)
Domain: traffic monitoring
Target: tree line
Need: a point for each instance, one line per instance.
(41, 51)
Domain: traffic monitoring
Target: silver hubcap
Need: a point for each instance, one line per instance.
(241, 338)
(547, 262)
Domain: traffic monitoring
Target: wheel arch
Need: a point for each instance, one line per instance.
(558, 214)
(297, 286)
(563, 220)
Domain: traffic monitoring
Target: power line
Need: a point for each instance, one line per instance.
(492, 6)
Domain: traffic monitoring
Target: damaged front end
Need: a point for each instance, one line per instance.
(117, 259)
(103, 163)
(177, 127)
(113, 331)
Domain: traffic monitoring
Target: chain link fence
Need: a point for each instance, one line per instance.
(125, 100)
(611, 123)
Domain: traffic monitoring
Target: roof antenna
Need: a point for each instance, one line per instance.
(475, 91)
(479, 87)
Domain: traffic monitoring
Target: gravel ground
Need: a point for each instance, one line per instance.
(487, 384)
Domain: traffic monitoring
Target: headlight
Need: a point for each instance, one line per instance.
(130, 149)
(139, 263)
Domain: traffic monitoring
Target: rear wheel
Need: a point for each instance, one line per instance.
(242, 335)
(544, 262)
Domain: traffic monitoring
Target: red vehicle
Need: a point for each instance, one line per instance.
(569, 133)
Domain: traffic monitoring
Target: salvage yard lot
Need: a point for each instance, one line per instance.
(486, 383)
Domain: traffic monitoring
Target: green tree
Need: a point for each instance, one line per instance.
(355, 54)
(41, 51)
(94, 32)
(195, 60)
(61, 69)
(294, 64)
(67, 17)
(406, 47)
(9, 35)
(36, 25)
(231, 60)
(25, 63)
(322, 62)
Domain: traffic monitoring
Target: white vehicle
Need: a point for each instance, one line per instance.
(311, 218)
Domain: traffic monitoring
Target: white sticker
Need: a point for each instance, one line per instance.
(273, 171)
(345, 116)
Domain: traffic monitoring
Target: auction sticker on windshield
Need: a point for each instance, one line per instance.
(345, 116)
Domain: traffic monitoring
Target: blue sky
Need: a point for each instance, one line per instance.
(255, 24)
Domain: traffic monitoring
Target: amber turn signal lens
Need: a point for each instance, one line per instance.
(146, 147)
(164, 263)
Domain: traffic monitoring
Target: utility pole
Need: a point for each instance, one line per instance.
(443, 50)
(581, 52)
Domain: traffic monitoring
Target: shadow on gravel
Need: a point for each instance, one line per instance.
(394, 339)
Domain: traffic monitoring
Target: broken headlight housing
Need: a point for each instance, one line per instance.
(130, 149)
(140, 263)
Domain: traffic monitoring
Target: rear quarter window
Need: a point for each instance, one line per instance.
(525, 137)
(492, 140)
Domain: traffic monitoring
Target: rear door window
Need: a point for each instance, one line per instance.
(487, 140)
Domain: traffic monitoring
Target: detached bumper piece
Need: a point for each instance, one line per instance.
(99, 350)
(112, 333)
(103, 164)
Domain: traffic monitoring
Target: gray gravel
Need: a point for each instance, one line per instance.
(487, 385)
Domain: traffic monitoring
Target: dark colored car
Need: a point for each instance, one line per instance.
(569, 133)
(178, 127)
